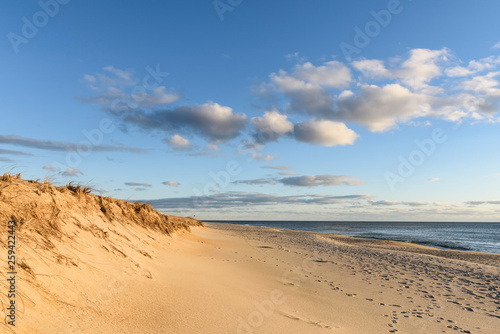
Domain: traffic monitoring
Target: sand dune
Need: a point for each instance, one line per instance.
(75, 252)
(88, 264)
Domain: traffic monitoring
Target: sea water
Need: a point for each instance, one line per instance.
(478, 237)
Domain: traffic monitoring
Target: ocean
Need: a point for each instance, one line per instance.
(478, 237)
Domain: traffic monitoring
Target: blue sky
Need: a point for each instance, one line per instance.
(324, 110)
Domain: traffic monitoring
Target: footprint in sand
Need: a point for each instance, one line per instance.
(308, 321)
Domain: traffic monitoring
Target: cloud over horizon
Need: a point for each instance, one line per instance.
(241, 199)
(326, 180)
(137, 184)
(52, 145)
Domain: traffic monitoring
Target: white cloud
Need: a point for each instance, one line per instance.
(496, 46)
(271, 126)
(137, 184)
(119, 90)
(422, 66)
(380, 108)
(51, 168)
(278, 167)
(474, 66)
(306, 85)
(171, 183)
(433, 179)
(261, 157)
(179, 143)
(410, 90)
(327, 180)
(125, 75)
(213, 147)
(324, 133)
(391, 203)
(71, 172)
(485, 84)
(159, 96)
(295, 56)
(458, 71)
(332, 74)
(371, 68)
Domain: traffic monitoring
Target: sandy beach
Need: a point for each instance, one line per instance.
(236, 279)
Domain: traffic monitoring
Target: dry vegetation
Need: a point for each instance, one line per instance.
(42, 208)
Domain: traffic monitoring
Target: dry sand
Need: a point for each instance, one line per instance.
(103, 275)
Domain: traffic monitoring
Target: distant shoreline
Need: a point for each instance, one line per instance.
(409, 238)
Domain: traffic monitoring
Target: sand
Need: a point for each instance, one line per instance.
(101, 275)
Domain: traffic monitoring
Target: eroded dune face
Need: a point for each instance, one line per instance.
(73, 251)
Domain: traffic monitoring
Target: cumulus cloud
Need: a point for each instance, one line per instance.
(324, 133)
(214, 122)
(306, 86)
(332, 74)
(261, 157)
(382, 97)
(71, 172)
(421, 67)
(51, 168)
(372, 68)
(179, 143)
(485, 84)
(474, 66)
(271, 127)
(145, 105)
(171, 183)
(137, 184)
(380, 108)
(305, 98)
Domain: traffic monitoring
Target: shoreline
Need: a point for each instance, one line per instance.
(428, 244)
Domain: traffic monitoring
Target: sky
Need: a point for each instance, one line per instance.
(259, 110)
